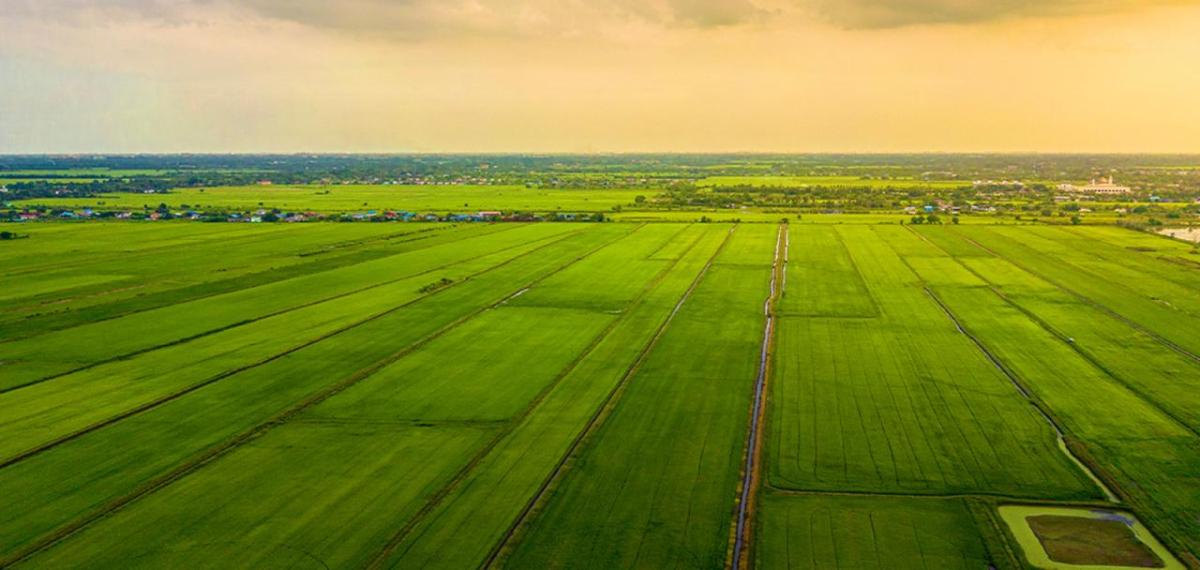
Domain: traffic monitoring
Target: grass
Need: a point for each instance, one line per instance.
(578, 395)
(204, 261)
(473, 520)
(41, 413)
(856, 394)
(91, 343)
(181, 432)
(823, 531)
(289, 487)
(1161, 306)
(653, 485)
(360, 198)
(828, 182)
(1116, 422)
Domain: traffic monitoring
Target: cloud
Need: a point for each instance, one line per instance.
(898, 13)
(425, 19)
(716, 13)
(411, 19)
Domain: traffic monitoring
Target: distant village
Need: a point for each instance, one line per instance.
(263, 215)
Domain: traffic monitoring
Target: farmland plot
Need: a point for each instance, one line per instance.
(654, 484)
(138, 267)
(41, 413)
(467, 527)
(310, 495)
(182, 432)
(45, 356)
(901, 403)
(470, 380)
(824, 281)
(1165, 377)
(578, 395)
(1162, 308)
(1126, 428)
(883, 533)
(361, 197)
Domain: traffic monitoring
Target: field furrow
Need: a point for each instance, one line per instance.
(901, 402)
(56, 354)
(655, 484)
(187, 431)
(49, 413)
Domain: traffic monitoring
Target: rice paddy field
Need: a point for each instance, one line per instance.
(828, 182)
(852, 394)
(356, 198)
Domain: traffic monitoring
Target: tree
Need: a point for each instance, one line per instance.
(1076, 220)
(954, 220)
(639, 199)
(7, 235)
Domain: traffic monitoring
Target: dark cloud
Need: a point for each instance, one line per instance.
(715, 13)
(409, 19)
(437, 17)
(899, 13)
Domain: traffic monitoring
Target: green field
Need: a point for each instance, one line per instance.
(360, 198)
(768, 182)
(582, 395)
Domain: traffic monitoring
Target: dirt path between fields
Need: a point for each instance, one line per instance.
(751, 471)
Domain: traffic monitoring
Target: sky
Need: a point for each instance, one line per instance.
(545, 76)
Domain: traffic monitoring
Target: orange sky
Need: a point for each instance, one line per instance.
(579, 76)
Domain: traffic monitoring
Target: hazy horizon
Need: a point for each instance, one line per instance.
(584, 77)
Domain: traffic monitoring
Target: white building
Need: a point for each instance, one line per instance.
(1105, 187)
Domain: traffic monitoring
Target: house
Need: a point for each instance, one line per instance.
(490, 214)
(28, 216)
